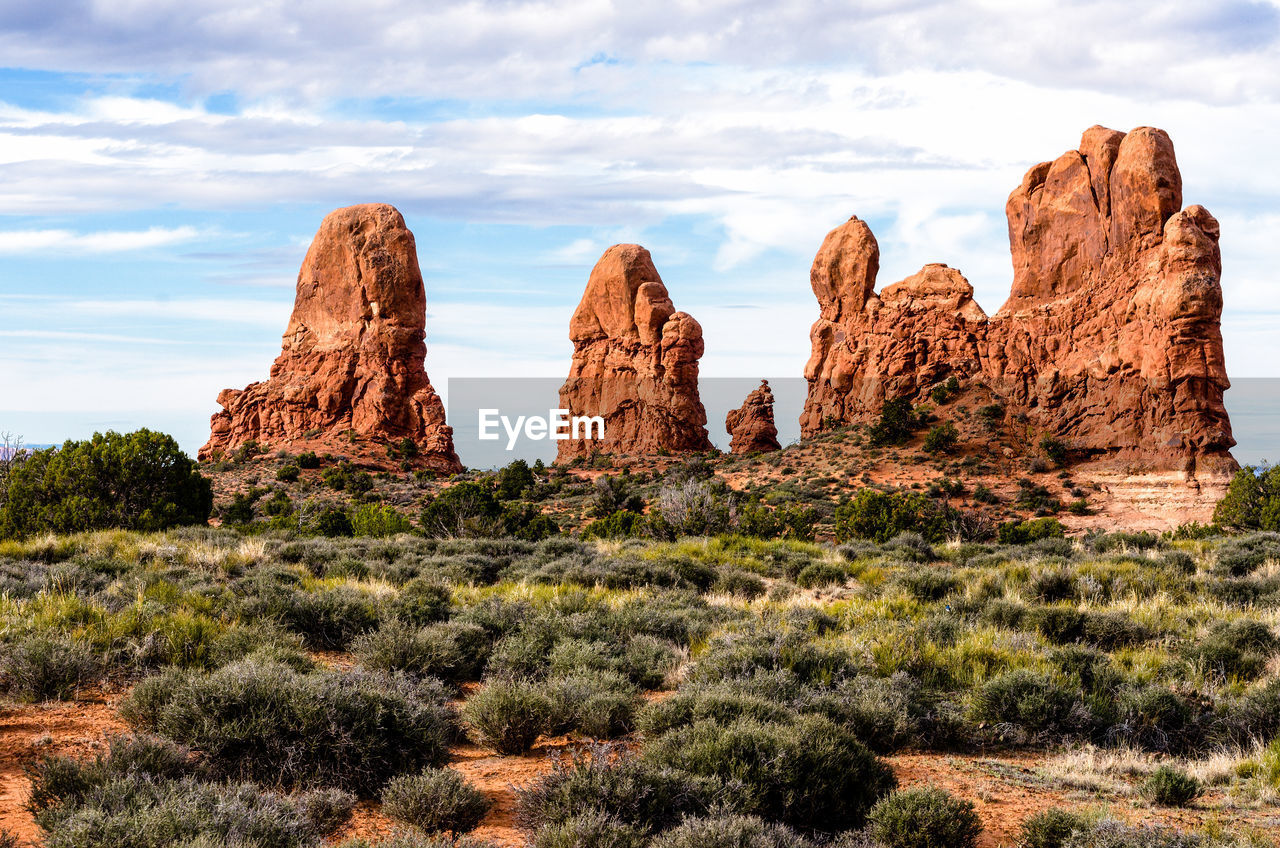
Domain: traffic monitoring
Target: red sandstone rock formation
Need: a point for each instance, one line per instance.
(350, 374)
(1110, 338)
(635, 362)
(751, 425)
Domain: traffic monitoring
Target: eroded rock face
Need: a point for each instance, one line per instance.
(635, 362)
(751, 426)
(350, 373)
(1110, 338)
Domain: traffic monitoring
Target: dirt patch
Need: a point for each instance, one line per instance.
(1007, 789)
(78, 728)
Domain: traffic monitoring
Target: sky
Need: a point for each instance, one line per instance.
(164, 164)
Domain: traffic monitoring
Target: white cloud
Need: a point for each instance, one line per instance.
(14, 242)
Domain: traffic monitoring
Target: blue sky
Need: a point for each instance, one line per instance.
(163, 166)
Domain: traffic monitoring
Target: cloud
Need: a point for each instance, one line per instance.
(13, 242)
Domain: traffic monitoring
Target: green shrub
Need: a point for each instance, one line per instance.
(630, 791)
(453, 651)
(730, 832)
(594, 828)
(798, 773)
(147, 793)
(287, 473)
(898, 420)
(464, 509)
(924, 818)
(1110, 833)
(1025, 532)
(929, 584)
(820, 574)
(509, 715)
(435, 800)
(378, 520)
(46, 667)
(597, 702)
(1169, 787)
(942, 438)
(268, 723)
(1051, 828)
(740, 583)
(1154, 718)
(1027, 700)
(879, 516)
(1252, 501)
(1055, 450)
(308, 459)
(137, 481)
(1237, 649)
(422, 601)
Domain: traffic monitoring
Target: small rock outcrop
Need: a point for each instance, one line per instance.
(751, 426)
(350, 376)
(635, 362)
(1110, 338)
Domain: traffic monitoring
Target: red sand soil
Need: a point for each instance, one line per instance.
(78, 728)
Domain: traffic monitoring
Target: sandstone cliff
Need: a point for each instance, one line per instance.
(635, 362)
(1110, 338)
(350, 375)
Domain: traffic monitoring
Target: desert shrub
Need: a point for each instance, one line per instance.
(328, 618)
(422, 601)
(1060, 625)
(942, 438)
(435, 800)
(148, 793)
(463, 510)
(1249, 718)
(884, 714)
(1055, 450)
(911, 547)
(308, 459)
(924, 818)
(738, 582)
(802, 772)
(1121, 540)
(898, 420)
(1252, 501)
(266, 722)
(1110, 833)
(46, 667)
(413, 840)
(1026, 532)
(378, 520)
(879, 516)
(1153, 718)
(599, 704)
(694, 508)
(719, 703)
(1238, 649)
(331, 522)
(820, 574)
(514, 479)
(929, 584)
(620, 525)
(1053, 584)
(1051, 828)
(1169, 787)
(509, 715)
(1179, 561)
(453, 651)
(1112, 630)
(1241, 556)
(137, 481)
(595, 828)
(1029, 701)
(727, 831)
(287, 473)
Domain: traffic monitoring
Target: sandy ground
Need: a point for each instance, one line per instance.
(1005, 788)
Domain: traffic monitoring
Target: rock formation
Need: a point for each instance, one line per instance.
(751, 425)
(635, 362)
(1110, 338)
(350, 374)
